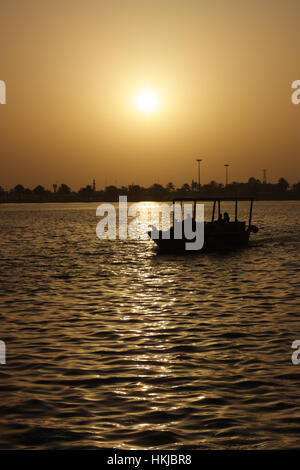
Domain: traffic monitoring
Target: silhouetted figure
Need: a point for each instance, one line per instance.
(220, 219)
(226, 217)
(190, 222)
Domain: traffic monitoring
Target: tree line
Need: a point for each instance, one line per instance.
(157, 192)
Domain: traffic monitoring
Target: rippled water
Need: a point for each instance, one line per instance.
(110, 345)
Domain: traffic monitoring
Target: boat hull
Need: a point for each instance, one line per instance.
(213, 241)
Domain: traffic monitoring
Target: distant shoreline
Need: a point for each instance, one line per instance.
(254, 188)
(139, 200)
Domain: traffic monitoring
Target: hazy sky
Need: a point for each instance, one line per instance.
(223, 70)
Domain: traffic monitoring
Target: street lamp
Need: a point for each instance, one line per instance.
(199, 160)
(226, 166)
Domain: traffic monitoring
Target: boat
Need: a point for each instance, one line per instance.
(219, 233)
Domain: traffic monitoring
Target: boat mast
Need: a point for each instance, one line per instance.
(219, 208)
(250, 215)
(213, 212)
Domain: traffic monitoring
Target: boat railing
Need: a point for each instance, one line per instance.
(217, 204)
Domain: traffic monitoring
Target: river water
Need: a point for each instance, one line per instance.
(109, 345)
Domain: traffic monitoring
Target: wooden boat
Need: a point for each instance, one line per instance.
(219, 234)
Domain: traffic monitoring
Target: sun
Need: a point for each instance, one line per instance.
(147, 100)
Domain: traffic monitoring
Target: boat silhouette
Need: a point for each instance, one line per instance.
(219, 233)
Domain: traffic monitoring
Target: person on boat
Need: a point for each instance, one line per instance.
(190, 220)
(226, 217)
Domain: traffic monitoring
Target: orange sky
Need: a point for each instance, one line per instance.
(224, 70)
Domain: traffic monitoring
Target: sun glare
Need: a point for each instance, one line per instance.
(147, 100)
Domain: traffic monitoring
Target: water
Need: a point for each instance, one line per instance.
(110, 345)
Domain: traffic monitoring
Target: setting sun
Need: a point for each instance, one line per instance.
(147, 100)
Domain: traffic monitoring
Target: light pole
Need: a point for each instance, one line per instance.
(226, 166)
(199, 160)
